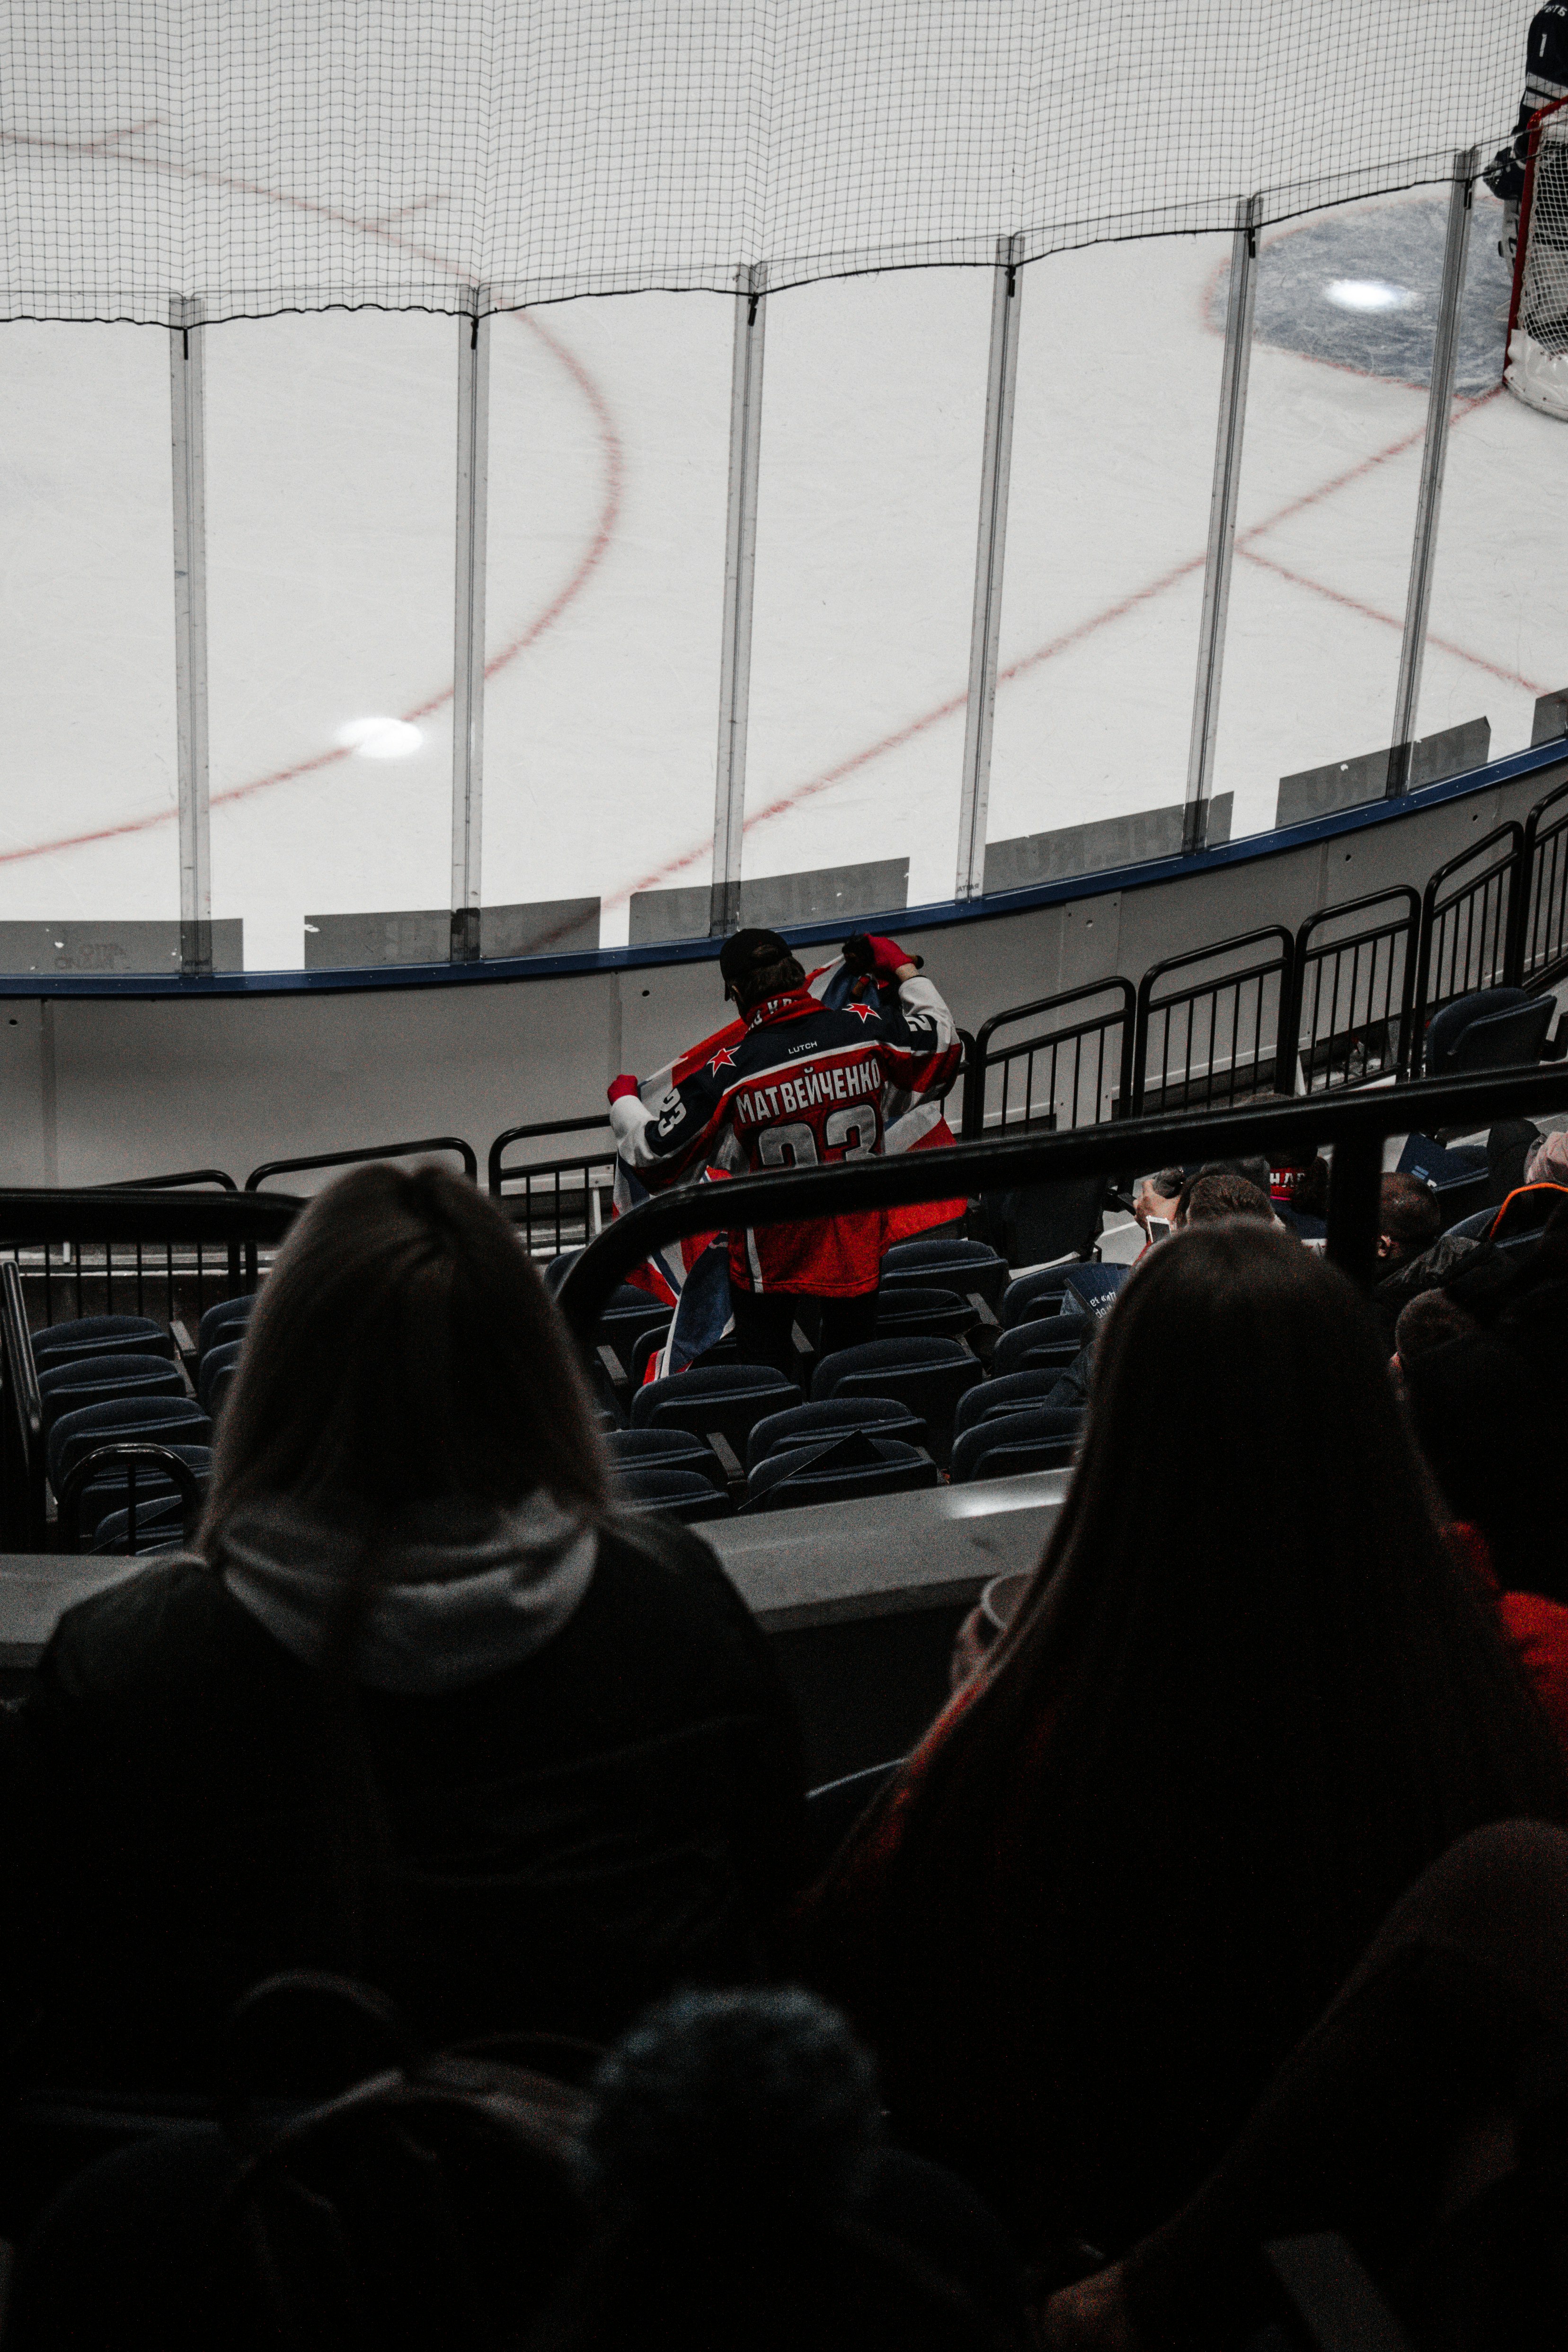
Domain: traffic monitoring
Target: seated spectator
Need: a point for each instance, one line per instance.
(748, 2198)
(1248, 1697)
(1206, 1198)
(1421, 2119)
(1430, 1320)
(1547, 1162)
(1409, 1220)
(423, 1710)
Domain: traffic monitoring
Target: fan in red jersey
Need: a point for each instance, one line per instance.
(806, 1077)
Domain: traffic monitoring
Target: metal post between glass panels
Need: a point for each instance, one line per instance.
(469, 644)
(1222, 522)
(1433, 457)
(740, 573)
(187, 437)
(986, 628)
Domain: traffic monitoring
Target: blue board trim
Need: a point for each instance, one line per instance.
(352, 980)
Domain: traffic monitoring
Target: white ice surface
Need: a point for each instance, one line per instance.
(331, 476)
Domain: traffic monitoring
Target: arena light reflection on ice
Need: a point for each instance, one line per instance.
(380, 739)
(1369, 294)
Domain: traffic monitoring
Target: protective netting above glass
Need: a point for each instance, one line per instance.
(299, 154)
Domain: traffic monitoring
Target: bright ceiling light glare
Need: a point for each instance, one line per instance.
(1369, 294)
(380, 739)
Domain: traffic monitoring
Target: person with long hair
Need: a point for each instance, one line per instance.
(423, 1708)
(1248, 1696)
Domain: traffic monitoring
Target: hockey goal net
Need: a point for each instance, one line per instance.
(1537, 363)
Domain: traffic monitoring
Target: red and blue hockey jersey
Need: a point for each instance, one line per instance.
(801, 1082)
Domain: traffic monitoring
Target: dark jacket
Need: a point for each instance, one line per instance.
(188, 1808)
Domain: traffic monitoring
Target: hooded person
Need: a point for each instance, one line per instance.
(421, 1708)
(847, 1065)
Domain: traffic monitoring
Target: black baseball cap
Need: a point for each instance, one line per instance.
(744, 953)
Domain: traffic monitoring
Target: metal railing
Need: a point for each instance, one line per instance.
(1074, 1068)
(555, 1204)
(465, 1152)
(1353, 993)
(1469, 932)
(1542, 930)
(1221, 1038)
(1353, 1124)
(131, 1249)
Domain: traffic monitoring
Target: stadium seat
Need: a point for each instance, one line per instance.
(683, 1495)
(631, 1313)
(1014, 1442)
(925, 1314)
(971, 1268)
(928, 1375)
(174, 1420)
(107, 1491)
(1494, 1029)
(100, 1335)
(715, 1401)
(217, 1369)
(1013, 1392)
(663, 1449)
(556, 1272)
(227, 1320)
(1461, 1180)
(93, 1379)
(1043, 1292)
(808, 1424)
(160, 1527)
(1055, 1340)
(838, 1470)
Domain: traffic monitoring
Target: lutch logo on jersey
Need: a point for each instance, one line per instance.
(841, 1082)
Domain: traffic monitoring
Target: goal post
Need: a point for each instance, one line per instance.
(1536, 367)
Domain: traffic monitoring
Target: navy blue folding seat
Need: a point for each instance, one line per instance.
(1012, 1442)
(683, 1495)
(809, 1425)
(94, 1379)
(556, 1272)
(838, 1470)
(100, 1335)
(160, 1527)
(629, 1317)
(217, 1372)
(1034, 1295)
(663, 1449)
(1013, 1393)
(971, 1268)
(1054, 1339)
(1492, 1029)
(227, 1320)
(174, 1420)
(1461, 1180)
(715, 1401)
(107, 1492)
(928, 1375)
(925, 1314)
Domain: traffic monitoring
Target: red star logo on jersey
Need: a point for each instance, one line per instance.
(721, 1058)
(865, 1012)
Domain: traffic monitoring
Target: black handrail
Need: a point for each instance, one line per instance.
(129, 1451)
(115, 1212)
(1354, 1123)
(25, 1515)
(1534, 969)
(495, 1174)
(188, 1178)
(1283, 1057)
(1307, 953)
(979, 1058)
(1505, 927)
(258, 1176)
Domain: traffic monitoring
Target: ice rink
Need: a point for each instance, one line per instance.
(330, 471)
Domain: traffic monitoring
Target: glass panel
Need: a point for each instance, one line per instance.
(609, 462)
(1498, 633)
(1347, 311)
(873, 425)
(87, 618)
(1119, 373)
(332, 456)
